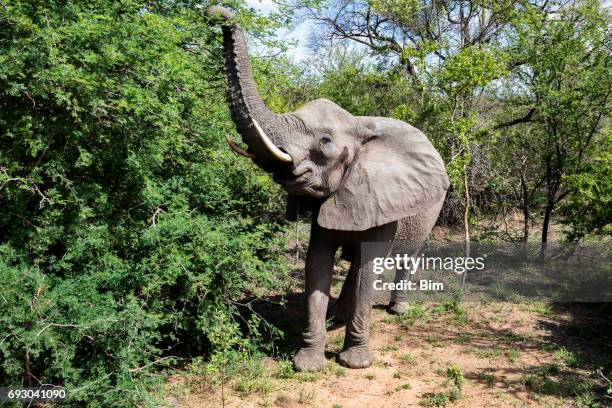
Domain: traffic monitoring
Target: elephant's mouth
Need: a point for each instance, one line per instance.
(302, 180)
(291, 182)
(304, 184)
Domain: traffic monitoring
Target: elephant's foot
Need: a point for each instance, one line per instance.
(397, 308)
(309, 360)
(338, 311)
(356, 357)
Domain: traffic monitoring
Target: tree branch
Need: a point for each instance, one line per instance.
(513, 122)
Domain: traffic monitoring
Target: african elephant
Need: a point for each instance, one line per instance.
(365, 178)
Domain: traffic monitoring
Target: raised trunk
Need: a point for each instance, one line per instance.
(245, 102)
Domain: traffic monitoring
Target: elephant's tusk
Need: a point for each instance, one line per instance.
(276, 152)
(239, 149)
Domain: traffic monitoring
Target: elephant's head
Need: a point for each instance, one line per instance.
(366, 171)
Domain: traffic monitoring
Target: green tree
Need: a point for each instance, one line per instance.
(513, 93)
(567, 75)
(588, 209)
(447, 53)
(125, 222)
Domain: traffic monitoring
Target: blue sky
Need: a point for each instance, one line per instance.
(299, 33)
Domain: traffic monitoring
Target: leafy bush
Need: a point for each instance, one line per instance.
(588, 208)
(126, 226)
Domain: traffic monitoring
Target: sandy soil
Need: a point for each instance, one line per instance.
(508, 354)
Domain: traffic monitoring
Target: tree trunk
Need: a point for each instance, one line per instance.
(547, 212)
(526, 214)
(552, 187)
(466, 207)
(526, 217)
(545, 224)
(466, 221)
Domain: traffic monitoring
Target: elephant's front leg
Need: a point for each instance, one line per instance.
(319, 269)
(356, 351)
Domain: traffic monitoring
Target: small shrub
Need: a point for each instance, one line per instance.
(486, 377)
(308, 377)
(285, 370)
(455, 374)
(408, 358)
(454, 308)
(337, 370)
(464, 338)
(435, 341)
(566, 357)
(538, 307)
(307, 397)
(390, 347)
(415, 313)
(486, 353)
(337, 341)
(440, 399)
(513, 355)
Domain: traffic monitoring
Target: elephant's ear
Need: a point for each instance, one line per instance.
(397, 173)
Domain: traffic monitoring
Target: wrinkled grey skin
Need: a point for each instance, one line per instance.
(367, 179)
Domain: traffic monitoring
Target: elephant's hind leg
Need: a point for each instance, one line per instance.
(412, 232)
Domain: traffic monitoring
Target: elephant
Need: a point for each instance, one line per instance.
(365, 179)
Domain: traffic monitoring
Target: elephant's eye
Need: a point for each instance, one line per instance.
(326, 140)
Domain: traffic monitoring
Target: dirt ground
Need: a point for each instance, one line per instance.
(508, 355)
(467, 354)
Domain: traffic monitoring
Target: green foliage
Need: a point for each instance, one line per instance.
(513, 355)
(472, 67)
(308, 377)
(455, 374)
(362, 90)
(401, 10)
(130, 235)
(285, 369)
(453, 307)
(440, 399)
(569, 74)
(566, 357)
(408, 358)
(515, 96)
(589, 209)
(414, 314)
(127, 229)
(336, 370)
